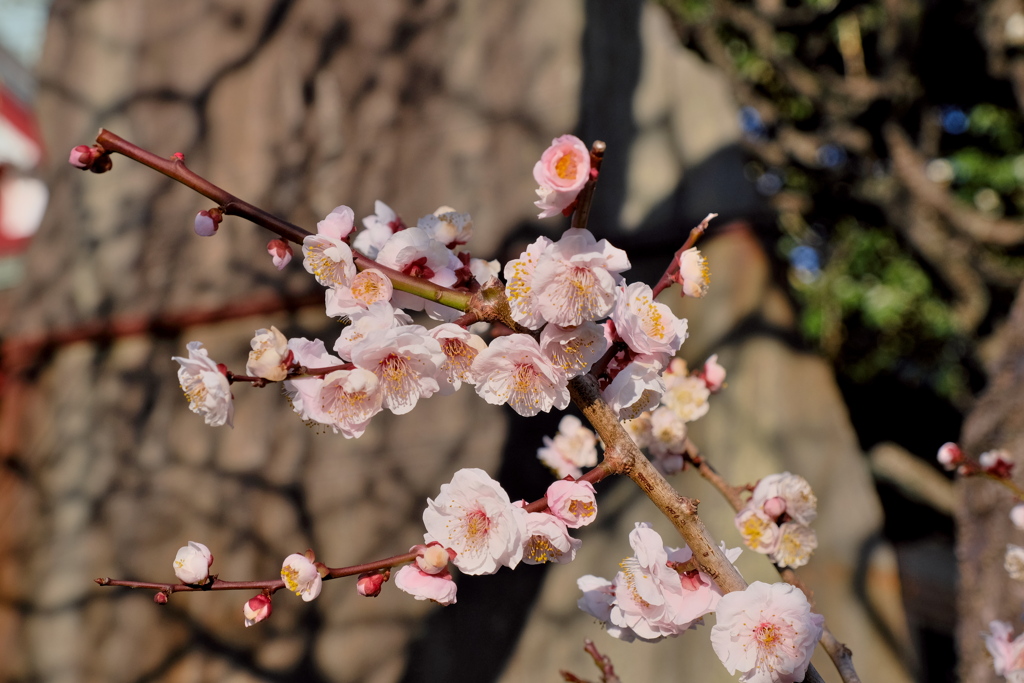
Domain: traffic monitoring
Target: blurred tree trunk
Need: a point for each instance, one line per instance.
(984, 528)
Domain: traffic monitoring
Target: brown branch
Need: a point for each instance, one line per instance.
(584, 199)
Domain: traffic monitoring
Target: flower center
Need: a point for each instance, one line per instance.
(566, 167)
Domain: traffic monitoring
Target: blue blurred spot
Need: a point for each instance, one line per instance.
(954, 120)
(805, 258)
(831, 156)
(751, 122)
(769, 183)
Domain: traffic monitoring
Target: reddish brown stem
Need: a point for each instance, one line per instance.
(673, 267)
(585, 199)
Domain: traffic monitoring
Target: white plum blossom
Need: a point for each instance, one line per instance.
(304, 391)
(414, 252)
(636, 387)
(368, 287)
(350, 398)
(547, 539)
(694, 274)
(573, 447)
(256, 609)
(1013, 562)
(759, 531)
(473, 516)
(301, 576)
(561, 173)
(326, 255)
(950, 456)
(406, 361)
(685, 394)
(572, 502)
(767, 633)
(483, 271)
(280, 253)
(668, 432)
(439, 587)
(1017, 516)
(639, 429)
(644, 324)
(796, 544)
(447, 226)
(519, 288)
(192, 563)
(369, 322)
(206, 387)
(432, 559)
(573, 349)
(378, 229)
(460, 348)
(1007, 652)
(513, 370)
(269, 356)
(801, 505)
(598, 598)
(575, 278)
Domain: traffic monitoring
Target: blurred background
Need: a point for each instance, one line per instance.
(866, 159)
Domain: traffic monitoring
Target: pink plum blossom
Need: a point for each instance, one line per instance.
(206, 387)
(572, 502)
(1007, 652)
(304, 392)
(694, 274)
(561, 173)
(598, 598)
(460, 348)
(192, 563)
(573, 349)
(548, 540)
(301, 576)
(368, 287)
(950, 456)
(269, 357)
(998, 463)
(713, 374)
(329, 260)
(432, 559)
(473, 516)
(351, 398)
(256, 609)
(379, 228)
(1017, 516)
(573, 447)
(655, 597)
(767, 633)
(644, 324)
(407, 363)
(800, 502)
(378, 317)
(519, 288)
(440, 587)
(575, 279)
(338, 224)
(513, 370)
(280, 253)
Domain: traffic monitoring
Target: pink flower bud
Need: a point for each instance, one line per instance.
(256, 609)
(369, 584)
(433, 559)
(280, 253)
(207, 222)
(1017, 516)
(713, 374)
(774, 507)
(573, 502)
(160, 598)
(691, 580)
(950, 456)
(997, 463)
(81, 156)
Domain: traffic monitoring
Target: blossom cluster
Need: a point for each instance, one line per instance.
(658, 592)
(662, 428)
(776, 520)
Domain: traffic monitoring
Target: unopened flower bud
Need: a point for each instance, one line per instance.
(160, 598)
(280, 253)
(256, 609)
(432, 559)
(269, 357)
(207, 222)
(369, 584)
(774, 507)
(192, 563)
(1013, 562)
(1017, 516)
(950, 456)
(713, 374)
(997, 463)
(693, 275)
(81, 156)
